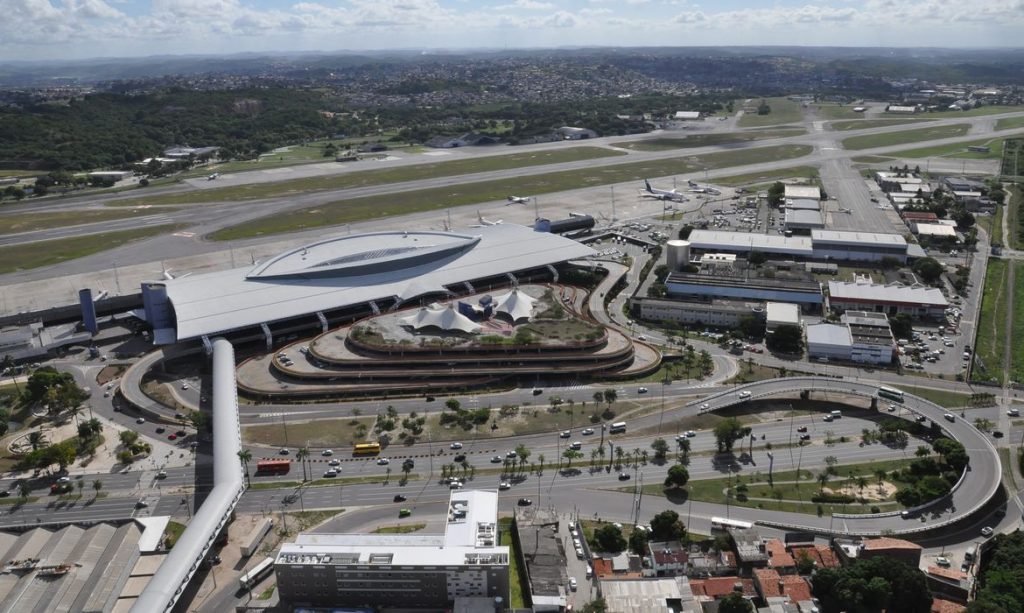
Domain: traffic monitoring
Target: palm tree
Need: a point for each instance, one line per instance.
(822, 479)
(75, 410)
(80, 484)
(861, 483)
(301, 455)
(36, 439)
(24, 489)
(97, 485)
(7, 365)
(618, 455)
(244, 456)
(95, 425)
(540, 462)
(522, 452)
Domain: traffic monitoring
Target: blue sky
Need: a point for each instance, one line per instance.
(75, 29)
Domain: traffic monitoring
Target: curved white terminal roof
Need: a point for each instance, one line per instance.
(352, 270)
(445, 318)
(516, 304)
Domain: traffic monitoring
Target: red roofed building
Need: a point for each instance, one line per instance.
(719, 587)
(946, 606)
(885, 547)
(821, 555)
(796, 588)
(920, 216)
(768, 582)
(668, 558)
(778, 557)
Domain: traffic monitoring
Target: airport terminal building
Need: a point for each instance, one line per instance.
(342, 278)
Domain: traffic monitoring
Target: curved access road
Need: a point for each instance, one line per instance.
(973, 491)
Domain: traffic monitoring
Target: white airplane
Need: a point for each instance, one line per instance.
(517, 199)
(213, 176)
(661, 194)
(485, 222)
(702, 189)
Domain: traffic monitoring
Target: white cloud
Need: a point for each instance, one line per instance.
(529, 5)
(560, 19)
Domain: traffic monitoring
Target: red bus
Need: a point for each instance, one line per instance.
(273, 467)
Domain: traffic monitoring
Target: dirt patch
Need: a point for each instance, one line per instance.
(873, 492)
(111, 372)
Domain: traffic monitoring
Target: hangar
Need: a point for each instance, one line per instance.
(373, 271)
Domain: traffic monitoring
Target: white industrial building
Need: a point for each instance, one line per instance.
(864, 338)
(812, 192)
(401, 570)
(938, 231)
(781, 313)
(687, 115)
(713, 312)
(828, 245)
(862, 295)
(803, 219)
(806, 204)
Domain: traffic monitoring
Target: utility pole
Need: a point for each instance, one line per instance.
(614, 219)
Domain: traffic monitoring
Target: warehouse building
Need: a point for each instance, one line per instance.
(797, 220)
(918, 301)
(828, 245)
(713, 312)
(812, 192)
(864, 338)
(858, 246)
(746, 285)
(781, 314)
(401, 570)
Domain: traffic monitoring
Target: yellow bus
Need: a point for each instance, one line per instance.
(366, 449)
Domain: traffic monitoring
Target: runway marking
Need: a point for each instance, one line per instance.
(184, 234)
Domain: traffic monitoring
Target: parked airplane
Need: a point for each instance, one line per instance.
(702, 189)
(485, 222)
(213, 176)
(518, 199)
(661, 194)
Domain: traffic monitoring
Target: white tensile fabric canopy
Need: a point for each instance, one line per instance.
(516, 304)
(445, 318)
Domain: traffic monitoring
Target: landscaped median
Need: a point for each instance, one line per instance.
(353, 210)
(888, 139)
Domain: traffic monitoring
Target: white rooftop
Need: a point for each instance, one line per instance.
(742, 241)
(516, 304)
(936, 229)
(803, 191)
(871, 292)
(783, 313)
(351, 270)
(857, 238)
(442, 317)
(829, 334)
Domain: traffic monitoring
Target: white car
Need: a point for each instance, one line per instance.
(572, 583)
(1013, 412)
(454, 485)
(565, 434)
(504, 485)
(383, 461)
(184, 386)
(140, 420)
(331, 473)
(690, 434)
(986, 531)
(744, 394)
(587, 431)
(455, 446)
(334, 463)
(705, 407)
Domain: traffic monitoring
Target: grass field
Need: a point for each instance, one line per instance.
(29, 222)
(1016, 366)
(790, 493)
(20, 173)
(372, 207)
(958, 150)
(380, 176)
(996, 236)
(1012, 163)
(978, 112)
(825, 110)
(943, 398)
(794, 172)
(1014, 201)
(784, 110)
(45, 253)
(870, 159)
(399, 529)
(991, 340)
(706, 140)
(1010, 122)
(319, 433)
(516, 576)
(888, 139)
(864, 124)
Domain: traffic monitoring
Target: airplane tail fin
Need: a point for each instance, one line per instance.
(479, 217)
(647, 184)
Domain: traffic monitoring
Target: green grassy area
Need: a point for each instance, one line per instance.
(399, 529)
(978, 112)
(267, 593)
(706, 140)
(380, 176)
(790, 492)
(516, 575)
(768, 176)
(1016, 366)
(30, 222)
(888, 139)
(316, 434)
(318, 467)
(958, 150)
(1014, 199)
(783, 110)
(870, 159)
(20, 173)
(990, 346)
(304, 520)
(373, 207)
(1012, 163)
(753, 371)
(1010, 122)
(826, 110)
(943, 398)
(865, 124)
(996, 235)
(45, 253)
(172, 533)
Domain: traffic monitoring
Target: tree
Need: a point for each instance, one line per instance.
(929, 269)
(24, 489)
(751, 327)
(660, 448)
(540, 462)
(80, 484)
(452, 404)
(638, 540)
(523, 453)
(36, 439)
(97, 485)
(595, 606)
(244, 456)
(786, 338)
(128, 437)
(776, 193)
(734, 602)
(610, 396)
(7, 366)
(804, 563)
(873, 584)
(727, 432)
(677, 476)
(757, 258)
(609, 538)
(302, 455)
(570, 455)
(902, 326)
(666, 526)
